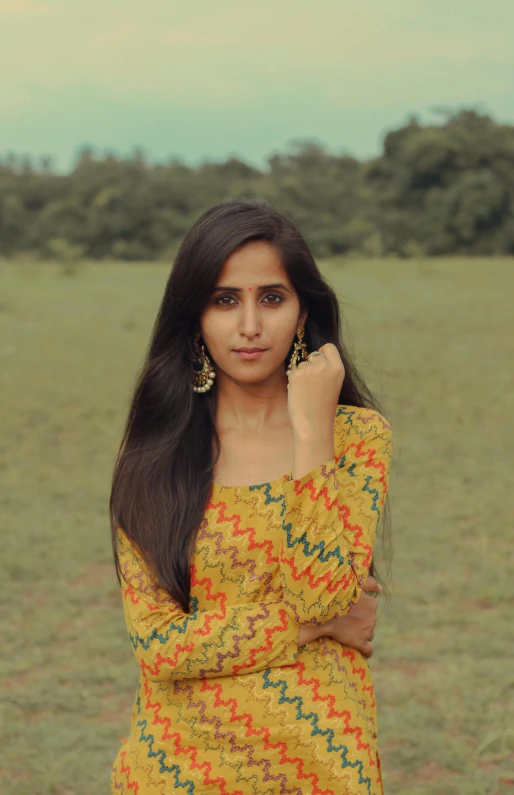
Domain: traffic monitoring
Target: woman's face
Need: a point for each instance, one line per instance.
(253, 305)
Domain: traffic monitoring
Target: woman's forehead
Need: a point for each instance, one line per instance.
(254, 263)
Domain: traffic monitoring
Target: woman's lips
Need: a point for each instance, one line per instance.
(250, 355)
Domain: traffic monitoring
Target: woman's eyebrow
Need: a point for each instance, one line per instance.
(261, 287)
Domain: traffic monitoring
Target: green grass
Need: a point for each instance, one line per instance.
(436, 344)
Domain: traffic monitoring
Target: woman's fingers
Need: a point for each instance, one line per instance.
(331, 353)
(367, 649)
(371, 585)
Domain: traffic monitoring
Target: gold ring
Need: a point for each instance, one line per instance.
(314, 353)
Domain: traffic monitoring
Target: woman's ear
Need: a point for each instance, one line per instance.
(303, 317)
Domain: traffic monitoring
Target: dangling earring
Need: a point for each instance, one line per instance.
(204, 373)
(299, 353)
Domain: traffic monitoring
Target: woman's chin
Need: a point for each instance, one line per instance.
(262, 377)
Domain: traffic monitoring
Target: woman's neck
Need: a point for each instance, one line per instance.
(251, 407)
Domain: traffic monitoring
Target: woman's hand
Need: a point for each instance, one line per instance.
(354, 629)
(357, 628)
(313, 394)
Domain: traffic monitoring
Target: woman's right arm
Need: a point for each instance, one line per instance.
(225, 641)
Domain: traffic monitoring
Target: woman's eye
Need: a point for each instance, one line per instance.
(221, 298)
(226, 300)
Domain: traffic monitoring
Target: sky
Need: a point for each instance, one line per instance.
(210, 79)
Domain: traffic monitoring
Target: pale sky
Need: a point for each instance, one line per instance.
(208, 79)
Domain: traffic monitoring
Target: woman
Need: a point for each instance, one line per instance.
(245, 503)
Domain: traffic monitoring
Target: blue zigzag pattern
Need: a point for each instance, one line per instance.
(314, 719)
(161, 755)
(374, 492)
(137, 640)
(309, 549)
(267, 492)
(374, 495)
(297, 702)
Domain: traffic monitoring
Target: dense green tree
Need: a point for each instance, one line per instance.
(449, 188)
(445, 188)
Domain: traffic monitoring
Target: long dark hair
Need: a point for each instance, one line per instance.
(164, 469)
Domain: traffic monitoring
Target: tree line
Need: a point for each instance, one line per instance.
(445, 188)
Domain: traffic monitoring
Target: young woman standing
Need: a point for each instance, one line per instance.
(246, 497)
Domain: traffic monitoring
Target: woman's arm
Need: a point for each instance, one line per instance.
(355, 629)
(224, 641)
(330, 518)
(170, 644)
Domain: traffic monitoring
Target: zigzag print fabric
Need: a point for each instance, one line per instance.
(227, 702)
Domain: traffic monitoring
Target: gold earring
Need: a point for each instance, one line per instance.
(299, 352)
(204, 372)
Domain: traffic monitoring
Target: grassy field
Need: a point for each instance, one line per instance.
(436, 343)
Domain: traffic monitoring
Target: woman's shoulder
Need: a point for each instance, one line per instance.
(359, 421)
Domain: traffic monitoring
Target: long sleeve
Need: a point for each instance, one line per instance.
(225, 641)
(330, 519)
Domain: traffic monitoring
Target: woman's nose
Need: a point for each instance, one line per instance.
(250, 323)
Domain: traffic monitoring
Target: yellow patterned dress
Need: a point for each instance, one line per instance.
(227, 702)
